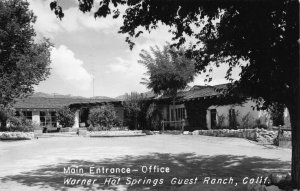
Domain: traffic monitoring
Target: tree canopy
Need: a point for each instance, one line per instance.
(262, 33)
(103, 116)
(133, 105)
(24, 60)
(65, 117)
(169, 70)
(261, 37)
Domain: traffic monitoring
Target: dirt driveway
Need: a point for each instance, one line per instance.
(40, 164)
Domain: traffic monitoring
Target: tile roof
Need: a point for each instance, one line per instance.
(204, 91)
(54, 103)
(199, 92)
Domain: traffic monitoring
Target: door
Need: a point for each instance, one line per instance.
(213, 118)
(84, 116)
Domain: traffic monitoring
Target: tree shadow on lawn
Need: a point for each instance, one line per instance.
(184, 165)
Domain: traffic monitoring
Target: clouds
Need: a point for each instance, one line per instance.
(218, 76)
(83, 44)
(69, 68)
(74, 20)
(128, 65)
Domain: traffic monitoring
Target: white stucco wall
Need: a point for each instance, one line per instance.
(76, 120)
(208, 119)
(286, 115)
(36, 117)
(241, 111)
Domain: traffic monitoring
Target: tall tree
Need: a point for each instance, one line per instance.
(24, 60)
(65, 117)
(133, 106)
(265, 34)
(169, 71)
(103, 116)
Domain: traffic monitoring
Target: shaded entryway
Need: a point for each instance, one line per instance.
(84, 117)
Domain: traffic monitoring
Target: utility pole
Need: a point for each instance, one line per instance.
(93, 86)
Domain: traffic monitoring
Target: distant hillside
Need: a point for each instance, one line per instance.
(54, 95)
(148, 94)
(121, 97)
(101, 97)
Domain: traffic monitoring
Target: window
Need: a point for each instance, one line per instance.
(183, 115)
(213, 118)
(17, 114)
(48, 118)
(232, 118)
(179, 114)
(43, 118)
(231, 112)
(172, 116)
(53, 119)
(27, 114)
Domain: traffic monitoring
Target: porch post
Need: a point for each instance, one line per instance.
(208, 119)
(36, 117)
(76, 120)
(163, 125)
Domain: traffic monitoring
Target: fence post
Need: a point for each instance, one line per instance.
(279, 134)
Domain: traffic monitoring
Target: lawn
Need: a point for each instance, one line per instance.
(39, 164)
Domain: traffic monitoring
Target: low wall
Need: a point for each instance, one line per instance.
(148, 132)
(285, 139)
(259, 135)
(16, 135)
(115, 133)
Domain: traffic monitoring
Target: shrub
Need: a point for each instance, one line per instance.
(65, 117)
(246, 121)
(16, 136)
(91, 128)
(5, 114)
(154, 117)
(133, 108)
(277, 114)
(117, 123)
(20, 124)
(221, 121)
(260, 125)
(103, 116)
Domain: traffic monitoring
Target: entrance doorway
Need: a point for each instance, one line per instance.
(84, 116)
(213, 118)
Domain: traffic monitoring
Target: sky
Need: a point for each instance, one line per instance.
(89, 57)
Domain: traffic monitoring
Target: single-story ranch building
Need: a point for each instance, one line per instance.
(200, 107)
(42, 110)
(205, 107)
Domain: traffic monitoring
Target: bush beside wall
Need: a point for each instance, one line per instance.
(115, 133)
(16, 135)
(259, 135)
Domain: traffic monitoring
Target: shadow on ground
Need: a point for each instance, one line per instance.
(185, 165)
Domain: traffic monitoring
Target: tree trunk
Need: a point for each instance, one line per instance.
(295, 124)
(3, 125)
(292, 42)
(135, 121)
